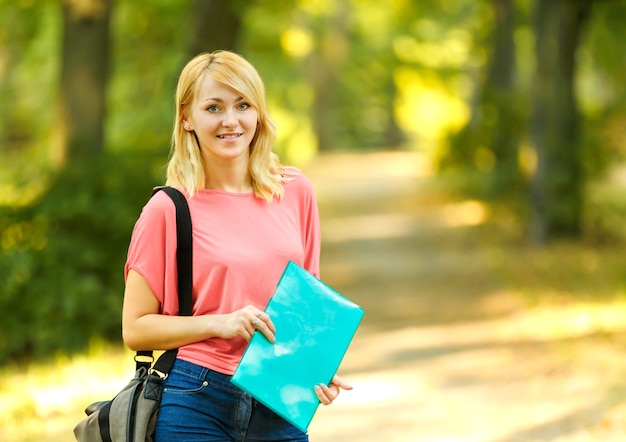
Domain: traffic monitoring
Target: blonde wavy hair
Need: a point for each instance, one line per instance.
(185, 168)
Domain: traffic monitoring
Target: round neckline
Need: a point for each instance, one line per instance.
(225, 192)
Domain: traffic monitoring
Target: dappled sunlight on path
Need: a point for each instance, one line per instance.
(479, 381)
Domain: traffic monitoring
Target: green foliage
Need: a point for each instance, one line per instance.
(602, 91)
(61, 254)
(148, 53)
(63, 257)
(29, 33)
(503, 146)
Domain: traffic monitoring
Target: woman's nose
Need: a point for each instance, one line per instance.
(230, 119)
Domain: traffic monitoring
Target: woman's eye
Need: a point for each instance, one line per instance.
(213, 108)
(243, 106)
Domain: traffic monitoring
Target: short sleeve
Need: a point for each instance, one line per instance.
(304, 191)
(152, 250)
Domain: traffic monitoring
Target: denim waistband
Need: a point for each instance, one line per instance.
(211, 377)
(198, 371)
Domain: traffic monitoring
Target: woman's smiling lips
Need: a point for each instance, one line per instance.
(229, 136)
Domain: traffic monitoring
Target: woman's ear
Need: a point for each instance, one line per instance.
(187, 126)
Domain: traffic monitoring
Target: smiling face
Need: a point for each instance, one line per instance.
(224, 122)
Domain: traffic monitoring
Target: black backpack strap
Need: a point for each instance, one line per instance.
(184, 249)
(184, 258)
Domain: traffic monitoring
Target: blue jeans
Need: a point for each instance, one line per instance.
(199, 404)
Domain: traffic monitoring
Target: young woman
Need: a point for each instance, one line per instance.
(250, 216)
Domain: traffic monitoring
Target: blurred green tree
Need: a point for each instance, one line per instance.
(84, 76)
(216, 24)
(490, 141)
(558, 182)
(14, 43)
(527, 140)
(326, 63)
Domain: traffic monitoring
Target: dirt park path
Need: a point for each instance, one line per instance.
(445, 352)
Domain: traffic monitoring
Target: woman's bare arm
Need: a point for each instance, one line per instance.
(144, 328)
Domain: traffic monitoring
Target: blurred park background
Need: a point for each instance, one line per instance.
(469, 161)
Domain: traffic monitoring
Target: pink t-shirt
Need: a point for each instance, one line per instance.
(241, 245)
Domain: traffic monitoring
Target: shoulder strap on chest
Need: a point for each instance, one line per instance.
(184, 259)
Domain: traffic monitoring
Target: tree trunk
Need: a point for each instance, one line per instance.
(558, 182)
(394, 136)
(496, 120)
(84, 72)
(500, 100)
(215, 25)
(325, 65)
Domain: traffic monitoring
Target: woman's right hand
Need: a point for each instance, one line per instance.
(244, 322)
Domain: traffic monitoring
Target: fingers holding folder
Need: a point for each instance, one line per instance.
(328, 393)
(245, 322)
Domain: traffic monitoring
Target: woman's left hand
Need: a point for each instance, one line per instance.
(328, 393)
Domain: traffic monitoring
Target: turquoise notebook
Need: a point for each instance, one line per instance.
(314, 327)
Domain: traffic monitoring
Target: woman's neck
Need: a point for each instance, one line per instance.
(232, 178)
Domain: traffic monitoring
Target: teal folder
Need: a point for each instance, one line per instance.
(314, 327)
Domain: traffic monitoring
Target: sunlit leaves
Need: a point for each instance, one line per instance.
(297, 42)
(25, 235)
(425, 106)
(451, 53)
